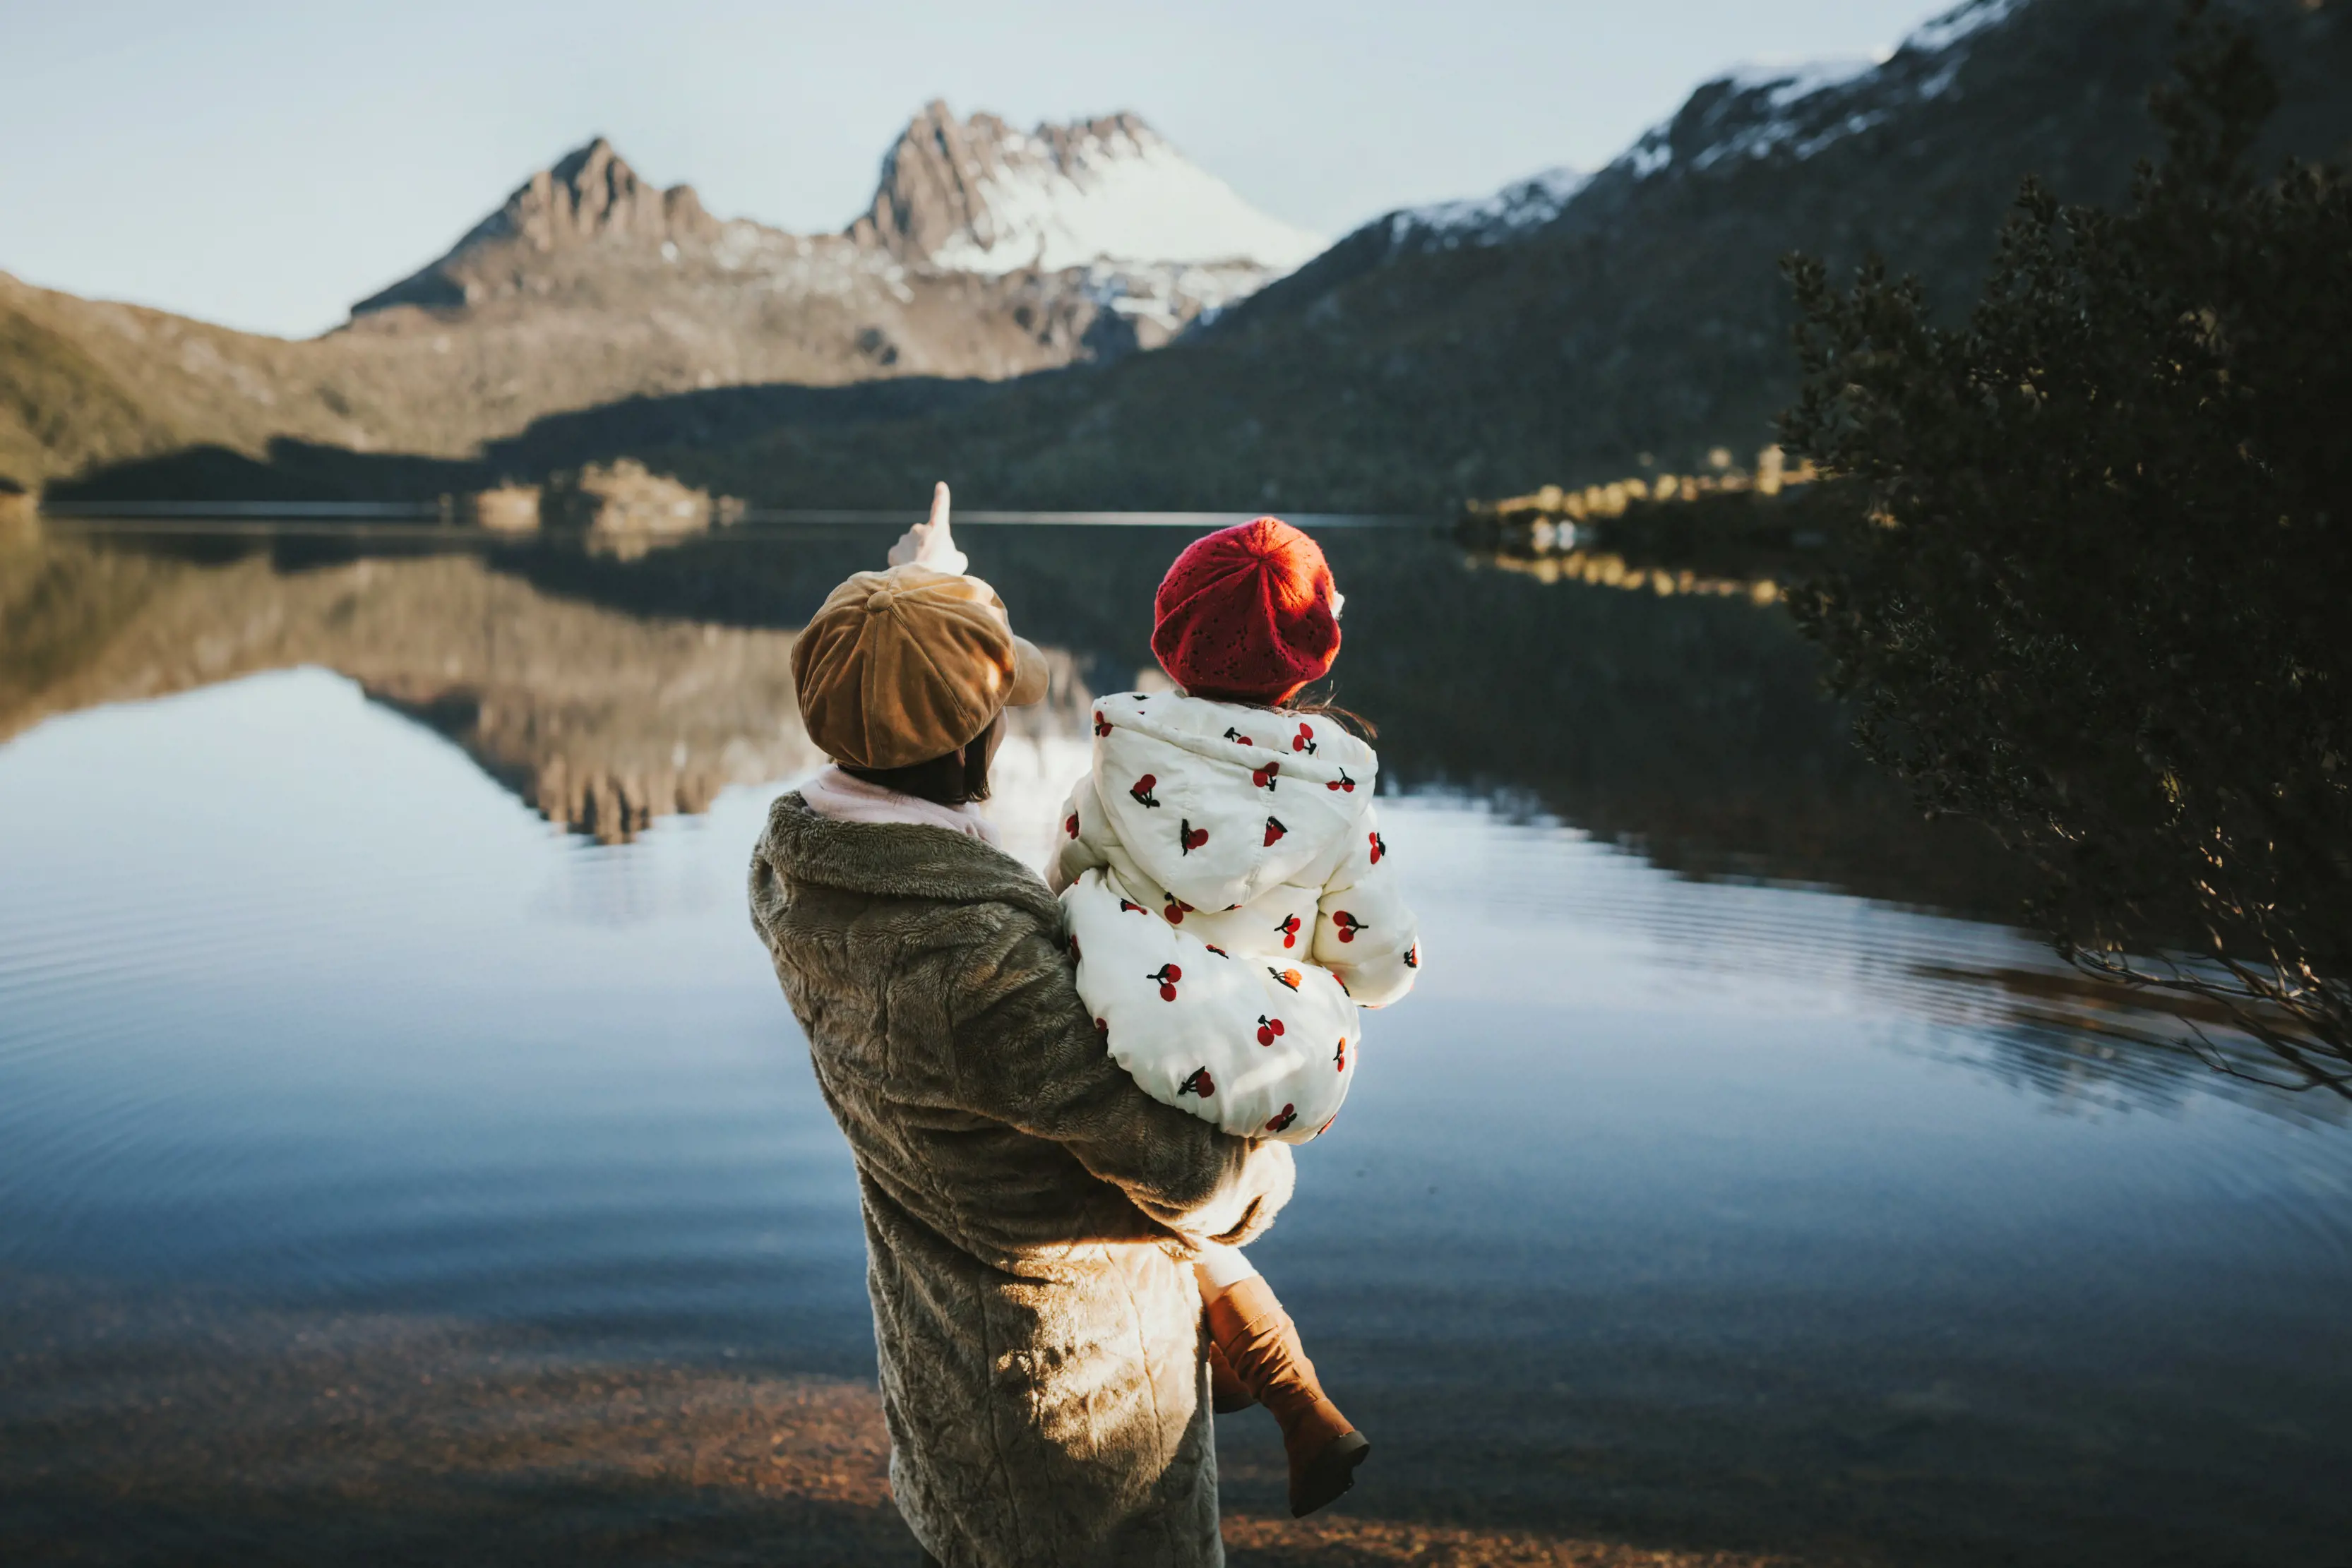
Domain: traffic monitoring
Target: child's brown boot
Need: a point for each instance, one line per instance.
(1261, 1344)
(1227, 1393)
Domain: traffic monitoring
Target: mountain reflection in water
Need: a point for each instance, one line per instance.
(609, 693)
(382, 1175)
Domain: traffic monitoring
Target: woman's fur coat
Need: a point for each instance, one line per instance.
(1028, 1209)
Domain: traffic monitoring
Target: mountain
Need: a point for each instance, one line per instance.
(1510, 213)
(591, 286)
(976, 195)
(1573, 327)
(1069, 242)
(1110, 196)
(589, 197)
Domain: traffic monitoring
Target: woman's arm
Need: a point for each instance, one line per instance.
(1028, 1054)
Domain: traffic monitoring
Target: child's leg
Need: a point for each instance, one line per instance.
(1260, 1346)
(1218, 1268)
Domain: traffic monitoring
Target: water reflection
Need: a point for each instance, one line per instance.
(601, 718)
(383, 1171)
(612, 691)
(608, 694)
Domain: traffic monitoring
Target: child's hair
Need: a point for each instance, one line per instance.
(951, 779)
(1348, 718)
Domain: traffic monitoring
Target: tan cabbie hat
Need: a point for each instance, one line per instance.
(903, 665)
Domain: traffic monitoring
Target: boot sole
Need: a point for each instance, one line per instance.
(1332, 1473)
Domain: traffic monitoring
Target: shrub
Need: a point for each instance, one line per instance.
(2102, 595)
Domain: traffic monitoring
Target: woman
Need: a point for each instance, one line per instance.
(1030, 1213)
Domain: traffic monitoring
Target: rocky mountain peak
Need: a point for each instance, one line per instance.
(974, 195)
(589, 196)
(591, 192)
(931, 188)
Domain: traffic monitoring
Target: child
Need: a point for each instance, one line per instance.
(1230, 905)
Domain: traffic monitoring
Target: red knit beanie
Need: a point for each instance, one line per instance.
(1245, 615)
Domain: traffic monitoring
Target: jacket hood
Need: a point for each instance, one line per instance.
(1217, 802)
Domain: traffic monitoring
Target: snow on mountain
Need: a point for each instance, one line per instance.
(976, 195)
(1759, 111)
(1765, 111)
(1487, 220)
(1123, 197)
(1783, 83)
(1957, 25)
(1762, 112)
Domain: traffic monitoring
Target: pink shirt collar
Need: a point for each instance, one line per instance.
(844, 799)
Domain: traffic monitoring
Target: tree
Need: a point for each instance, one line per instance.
(2098, 590)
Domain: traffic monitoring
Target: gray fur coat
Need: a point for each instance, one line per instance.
(1028, 1207)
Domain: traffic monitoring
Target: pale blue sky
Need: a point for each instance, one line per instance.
(264, 164)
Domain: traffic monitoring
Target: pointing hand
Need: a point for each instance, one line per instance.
(928, 543)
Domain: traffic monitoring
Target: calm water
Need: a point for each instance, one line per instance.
(405, 1154)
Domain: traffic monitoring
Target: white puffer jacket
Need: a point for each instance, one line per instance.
(1229, 900)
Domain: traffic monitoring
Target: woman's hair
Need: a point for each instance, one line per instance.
(953, 779)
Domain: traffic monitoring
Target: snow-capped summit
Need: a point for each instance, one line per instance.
(977, 196)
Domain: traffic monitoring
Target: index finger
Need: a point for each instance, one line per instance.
(940, 504)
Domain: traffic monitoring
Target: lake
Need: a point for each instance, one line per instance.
(406, 1154)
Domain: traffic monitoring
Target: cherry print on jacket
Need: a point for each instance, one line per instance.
(1301, 908)
(1102, 725)
(1412, 956)
(1071, 827)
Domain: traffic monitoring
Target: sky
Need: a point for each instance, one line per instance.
(263, 165)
